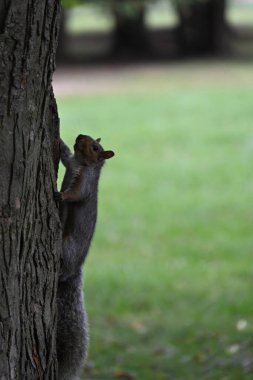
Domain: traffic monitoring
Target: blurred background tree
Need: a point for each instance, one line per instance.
(200, 28)
(202, 24)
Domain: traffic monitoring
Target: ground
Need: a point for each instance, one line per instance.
(144, 78)
(168, 280)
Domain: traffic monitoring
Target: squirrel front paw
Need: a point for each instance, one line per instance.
(57, 196)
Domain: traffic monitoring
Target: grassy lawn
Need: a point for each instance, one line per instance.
(169, 277)
(240, 15)
(89, 18)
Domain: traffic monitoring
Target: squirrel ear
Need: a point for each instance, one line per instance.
(107, 154)
(98, 140)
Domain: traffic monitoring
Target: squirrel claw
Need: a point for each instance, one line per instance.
(58, 196)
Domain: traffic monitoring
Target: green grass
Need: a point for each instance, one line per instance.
(89, 19)
(170, 270)
(240, 15)
(161, 14)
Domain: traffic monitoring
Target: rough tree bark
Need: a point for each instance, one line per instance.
(202, 25)
(29, 223)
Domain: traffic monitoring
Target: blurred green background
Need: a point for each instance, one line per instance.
(168, 280)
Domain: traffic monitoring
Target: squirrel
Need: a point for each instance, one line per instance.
(78, 214)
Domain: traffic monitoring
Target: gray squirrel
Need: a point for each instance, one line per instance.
(78, 214)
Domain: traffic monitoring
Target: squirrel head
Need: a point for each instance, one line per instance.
(89, 152)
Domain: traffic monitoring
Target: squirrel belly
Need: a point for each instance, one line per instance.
(78, 214)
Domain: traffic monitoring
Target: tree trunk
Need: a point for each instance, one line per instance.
(29, 223)
(201, 25)
(62, 40)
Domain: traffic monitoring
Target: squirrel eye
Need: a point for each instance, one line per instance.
(95, 147)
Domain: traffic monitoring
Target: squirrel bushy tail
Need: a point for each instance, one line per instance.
(72, 330)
